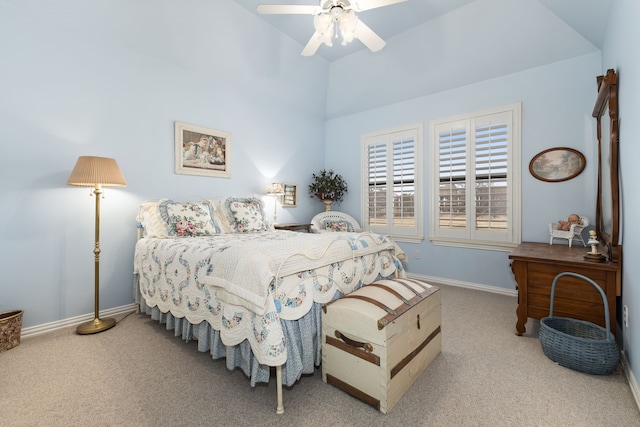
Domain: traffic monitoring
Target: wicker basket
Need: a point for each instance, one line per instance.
(10, 328)
(578, 344)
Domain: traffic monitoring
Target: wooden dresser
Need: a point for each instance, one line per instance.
(293, 227)
(536, 264)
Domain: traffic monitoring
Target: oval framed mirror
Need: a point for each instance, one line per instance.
(608, 198)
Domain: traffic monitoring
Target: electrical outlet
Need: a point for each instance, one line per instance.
(417, 253)
(625, 316)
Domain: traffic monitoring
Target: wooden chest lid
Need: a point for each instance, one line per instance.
(384, 300)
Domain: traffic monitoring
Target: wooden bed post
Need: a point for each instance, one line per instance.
(280, 408)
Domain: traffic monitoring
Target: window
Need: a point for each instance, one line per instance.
(475, 179)
(392, 182)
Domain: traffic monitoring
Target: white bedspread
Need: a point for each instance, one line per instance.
(242, 284)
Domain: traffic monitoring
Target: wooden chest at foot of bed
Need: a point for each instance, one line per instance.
(377, 340)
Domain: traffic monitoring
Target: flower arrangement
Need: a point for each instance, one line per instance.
(328, 186)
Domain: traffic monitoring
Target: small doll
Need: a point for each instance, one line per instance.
(566, 225)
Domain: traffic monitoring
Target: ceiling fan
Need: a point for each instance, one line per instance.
(333, 16)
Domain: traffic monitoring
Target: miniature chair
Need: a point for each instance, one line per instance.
(574, 232)
(334, 221)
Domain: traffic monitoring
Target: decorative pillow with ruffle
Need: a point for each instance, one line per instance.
(247, 213)
(151, 221)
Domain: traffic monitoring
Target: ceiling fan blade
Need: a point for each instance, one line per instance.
(312, 46)
(361, 5)
(368, 37)
(285, 9)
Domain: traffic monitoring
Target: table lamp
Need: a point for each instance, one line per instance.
(275, 189)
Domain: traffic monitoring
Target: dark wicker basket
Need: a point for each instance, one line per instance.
(578, 344)
(10, 329)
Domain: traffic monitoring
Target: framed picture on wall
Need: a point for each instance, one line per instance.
(557, 164)
(202, 151)
(290, 197)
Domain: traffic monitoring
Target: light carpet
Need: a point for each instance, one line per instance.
(139, 374)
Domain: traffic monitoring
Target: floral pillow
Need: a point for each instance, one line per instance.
(247, 214)
(336, 225)
(189, 219)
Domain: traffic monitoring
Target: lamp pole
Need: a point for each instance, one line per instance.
(96, 325)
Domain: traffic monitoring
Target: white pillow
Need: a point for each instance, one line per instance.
(152, 223)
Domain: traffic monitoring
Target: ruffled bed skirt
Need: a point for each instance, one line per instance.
(303, 337)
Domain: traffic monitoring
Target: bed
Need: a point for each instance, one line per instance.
(217, 272)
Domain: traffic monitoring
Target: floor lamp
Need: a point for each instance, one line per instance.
(96, 172)
(275, 190)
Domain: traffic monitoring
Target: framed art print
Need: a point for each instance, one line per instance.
(557, 164)
(202, 151)
(290, 197)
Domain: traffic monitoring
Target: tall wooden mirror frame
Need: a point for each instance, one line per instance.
(608, 198)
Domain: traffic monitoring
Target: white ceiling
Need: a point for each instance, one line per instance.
(589, 18)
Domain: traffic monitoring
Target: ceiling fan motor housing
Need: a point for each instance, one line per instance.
(336, 12)
(330, 4)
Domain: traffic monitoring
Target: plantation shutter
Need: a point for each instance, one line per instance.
(377, 190)
(452, 194)
(476, 177)
(491, 176)
(404, 181)
(391, 181)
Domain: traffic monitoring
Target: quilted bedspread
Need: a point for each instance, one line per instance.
(243, 284)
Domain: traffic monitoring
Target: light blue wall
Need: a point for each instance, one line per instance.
(109, 78)
(621, 53)
(557, 101)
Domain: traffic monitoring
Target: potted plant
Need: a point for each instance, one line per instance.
(329, 187)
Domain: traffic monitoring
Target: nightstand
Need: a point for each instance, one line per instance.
(293, 227)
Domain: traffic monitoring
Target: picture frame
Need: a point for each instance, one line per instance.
(557, 164)
(202, 151)
(290, 197)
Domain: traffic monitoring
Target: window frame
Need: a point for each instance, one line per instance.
(470, 237)
(414, 233)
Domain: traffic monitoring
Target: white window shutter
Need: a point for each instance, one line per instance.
(475, 178)
(392, 183)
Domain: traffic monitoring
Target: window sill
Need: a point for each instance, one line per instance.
(472, 244)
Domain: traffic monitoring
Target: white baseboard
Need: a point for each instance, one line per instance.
(74, 321)
(631, 379)
(469, 285)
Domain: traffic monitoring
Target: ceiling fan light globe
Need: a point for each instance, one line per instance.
(322, 23)
(348, 21)
(347, 37)
(327, 39)
(348, 26)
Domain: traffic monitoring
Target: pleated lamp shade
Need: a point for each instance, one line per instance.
(275, 189)
(90, 171)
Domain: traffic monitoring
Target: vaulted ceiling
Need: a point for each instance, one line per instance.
(588, 18)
